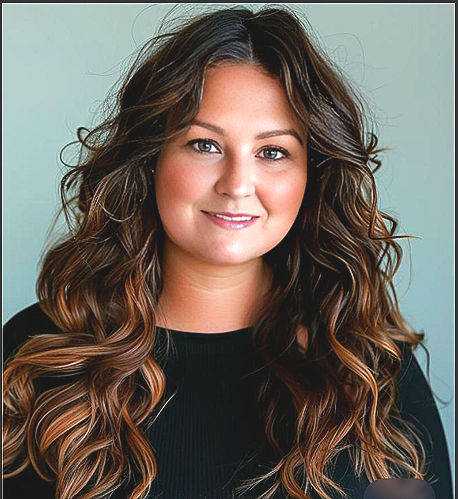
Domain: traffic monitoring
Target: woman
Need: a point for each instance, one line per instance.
(218, 322)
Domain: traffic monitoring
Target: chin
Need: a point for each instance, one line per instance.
(227, 258)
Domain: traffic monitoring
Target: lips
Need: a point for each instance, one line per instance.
(226, 222)
(227, 214)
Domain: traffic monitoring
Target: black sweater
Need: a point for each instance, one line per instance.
(207, 436)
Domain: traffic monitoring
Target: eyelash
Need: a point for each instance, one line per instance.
(285, 153)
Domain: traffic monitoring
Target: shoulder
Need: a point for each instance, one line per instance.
(24, 324)
(418, 407)
(407, 359)
(414, 389)
(411, 382)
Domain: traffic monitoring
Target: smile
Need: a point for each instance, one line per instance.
(231, 222)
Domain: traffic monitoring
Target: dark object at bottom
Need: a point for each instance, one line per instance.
(397, 488)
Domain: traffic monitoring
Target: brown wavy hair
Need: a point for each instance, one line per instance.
(332, 273)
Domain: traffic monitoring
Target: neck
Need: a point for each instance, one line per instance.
(204, 297)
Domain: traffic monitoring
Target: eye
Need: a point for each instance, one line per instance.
(203, 146)
(273, 151)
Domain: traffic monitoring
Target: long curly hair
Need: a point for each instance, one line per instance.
(332, 273)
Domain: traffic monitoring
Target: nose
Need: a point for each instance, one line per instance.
(238, 177)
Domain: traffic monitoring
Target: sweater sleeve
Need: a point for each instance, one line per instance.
(16, 331)
(22, 326)
(418, 407)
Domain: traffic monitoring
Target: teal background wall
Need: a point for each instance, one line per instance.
(60, 60)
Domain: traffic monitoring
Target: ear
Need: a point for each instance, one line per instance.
(302, 337)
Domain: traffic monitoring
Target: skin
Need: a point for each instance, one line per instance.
(399, 489)
(215, 277)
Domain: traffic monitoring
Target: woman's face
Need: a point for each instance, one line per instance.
(245, 153)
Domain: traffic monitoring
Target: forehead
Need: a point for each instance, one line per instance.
(236, 90)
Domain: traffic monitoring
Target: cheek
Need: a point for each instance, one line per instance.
(179, 193)
(175, 185)
(285, 196)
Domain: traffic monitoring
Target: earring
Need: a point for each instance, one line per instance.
(152, 169)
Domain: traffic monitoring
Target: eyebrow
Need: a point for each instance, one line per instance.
(262, 135)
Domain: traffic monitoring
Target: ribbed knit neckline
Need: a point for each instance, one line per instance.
(191, 348)
(192, 335)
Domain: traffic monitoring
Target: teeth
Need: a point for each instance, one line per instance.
(234, 219)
